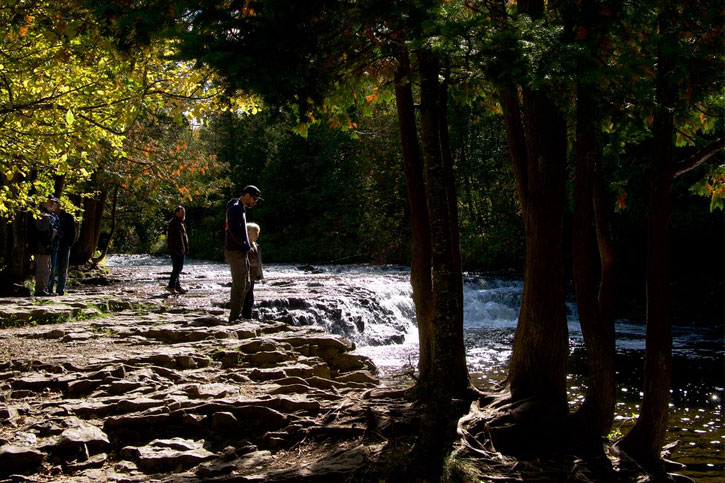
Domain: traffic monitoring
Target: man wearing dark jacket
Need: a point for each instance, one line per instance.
(58, 230)
(178, 244)
(236, 246)
(41, 235)
(69, 235)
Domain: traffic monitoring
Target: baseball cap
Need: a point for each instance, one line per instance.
(252, 190)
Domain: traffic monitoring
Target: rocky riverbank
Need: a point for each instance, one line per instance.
(120, 381)
(100, 389)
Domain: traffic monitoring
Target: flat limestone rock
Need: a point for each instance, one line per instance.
(19, 459)
(265, 374)
(79, 437)
(267, 358)
(206, 391)
(339, 343)
(175, 454)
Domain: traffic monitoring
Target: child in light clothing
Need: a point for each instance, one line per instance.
(255, 268)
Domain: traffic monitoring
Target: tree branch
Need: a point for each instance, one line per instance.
(696, 160)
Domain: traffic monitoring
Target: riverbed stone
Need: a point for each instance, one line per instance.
(204, 391)
(300, 370)
(267, 374)
(292, 389)
(257, 345)
(223, 420)
(228, 358)
(80, 437)
(267, 358)
(19, 459)
(168, 454)
(8, 414)
(322, 340)
(121, 387)
(348, 362)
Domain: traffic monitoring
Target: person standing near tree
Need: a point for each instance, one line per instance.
(237, 245)
(40, 238)
(69, 235)
(55, 243)
(255, 268)
(178, 244)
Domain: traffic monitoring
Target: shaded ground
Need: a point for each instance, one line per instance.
(121, 383)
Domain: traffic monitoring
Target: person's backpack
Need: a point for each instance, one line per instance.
(40, 234)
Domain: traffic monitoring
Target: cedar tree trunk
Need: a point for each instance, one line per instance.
(84, 248)
(593, 271)
(420, 274)
(537, 143)
(107, 242)
(449, 372)
(644, 442)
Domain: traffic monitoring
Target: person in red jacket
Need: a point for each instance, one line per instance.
(178, 244)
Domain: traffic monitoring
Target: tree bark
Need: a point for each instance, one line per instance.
(446, 302)
(107, 242)
(58, 186)
(16, 252)
(538, 361)
(644, 442)
(592, 260)
(516, 139)
(19, 261)
(536, 134)
(84, 248)
(449, 376)
(420, 274)
(459, 369)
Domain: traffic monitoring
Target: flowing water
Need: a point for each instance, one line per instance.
(372, 306)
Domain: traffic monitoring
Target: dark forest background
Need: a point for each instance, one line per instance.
(338, 196)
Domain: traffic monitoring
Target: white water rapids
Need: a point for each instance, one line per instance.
(372, 306)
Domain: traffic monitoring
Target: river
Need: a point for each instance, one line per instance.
(372, 306)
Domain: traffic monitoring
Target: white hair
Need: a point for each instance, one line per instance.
(253, 227)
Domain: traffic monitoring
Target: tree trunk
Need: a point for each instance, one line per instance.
(16, 251)
(4, 240)
(84, 248)
(590, 260)
(19, 260)
(449, 376)
(537, 371)
(644, 442)
(538, 361)
(104, 249)
(459, 370)
(58, 185)
(420, 274)
(446, 302)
